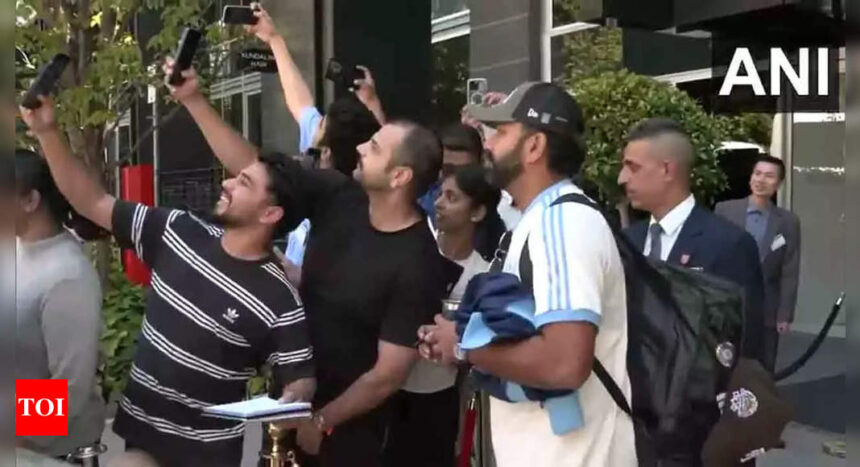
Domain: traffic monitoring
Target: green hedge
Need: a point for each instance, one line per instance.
(122, 309)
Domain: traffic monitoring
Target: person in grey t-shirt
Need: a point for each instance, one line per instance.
(58, 300)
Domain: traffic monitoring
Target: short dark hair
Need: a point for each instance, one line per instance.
(348, 123)
(283, 183)
(32, 173)
(654, 127)
(421, 151)
(459, 137)
(775, 161)
(565, 152)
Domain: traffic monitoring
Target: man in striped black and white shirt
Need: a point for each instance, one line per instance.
(219, 305)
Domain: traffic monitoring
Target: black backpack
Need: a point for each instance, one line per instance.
(684, 335)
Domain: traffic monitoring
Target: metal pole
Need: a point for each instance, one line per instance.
(155, 122)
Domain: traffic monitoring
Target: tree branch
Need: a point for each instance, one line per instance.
(127, 158)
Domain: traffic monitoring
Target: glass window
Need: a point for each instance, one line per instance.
(450, 72)
(440, 8)
(255, 115)
(236, 108)
(564, 11)
(124, 136)
(231, 111)
(585, 53)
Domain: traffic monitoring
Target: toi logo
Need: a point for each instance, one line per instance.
(41, 407)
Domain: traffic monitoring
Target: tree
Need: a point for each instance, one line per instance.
(107, 73)
(749, 128)
(592, 52)
(450, 72)
(589, 52)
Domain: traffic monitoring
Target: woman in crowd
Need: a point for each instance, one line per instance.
(426, 412)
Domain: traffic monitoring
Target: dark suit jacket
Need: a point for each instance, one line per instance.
(781, 265)
(720, 248)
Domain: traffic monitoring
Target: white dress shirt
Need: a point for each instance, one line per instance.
(510, 215)
(671, 224)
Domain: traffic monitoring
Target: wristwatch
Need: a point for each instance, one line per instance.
(460, 354)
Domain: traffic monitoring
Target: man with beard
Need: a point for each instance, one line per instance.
(372, 273)
(219, 305)
(577, 284)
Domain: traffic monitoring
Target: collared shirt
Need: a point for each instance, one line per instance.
(756, 221)
(577, 276)
(671, 224)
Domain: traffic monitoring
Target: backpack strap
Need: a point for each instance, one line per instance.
(611, 387)
(526, 278)
(501, 252)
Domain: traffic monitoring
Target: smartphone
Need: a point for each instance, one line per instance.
(238, 14)
(44, 83)
(476, 88)
(343, 75)
(188, 42)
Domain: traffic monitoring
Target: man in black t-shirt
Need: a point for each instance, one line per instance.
(219, 305)
(372, 274)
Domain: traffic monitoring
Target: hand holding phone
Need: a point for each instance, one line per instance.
(185, 51)
(343, 75)
(239, 14)
(44, 83)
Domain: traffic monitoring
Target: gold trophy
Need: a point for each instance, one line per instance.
(277, 455)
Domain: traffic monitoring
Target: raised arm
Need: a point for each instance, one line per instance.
(84, 192)
(296, 91)
(365, 90)
(233, 150)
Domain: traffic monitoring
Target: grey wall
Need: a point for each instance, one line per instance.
(505, 42)
(295, 20)
(818, 199)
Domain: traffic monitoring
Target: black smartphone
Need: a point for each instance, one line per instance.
(188, 42)
(45, 82)
(238, 14)
(343, 75)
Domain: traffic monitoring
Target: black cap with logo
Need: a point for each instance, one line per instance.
(543, 106)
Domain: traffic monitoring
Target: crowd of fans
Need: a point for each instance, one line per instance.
(393, 220)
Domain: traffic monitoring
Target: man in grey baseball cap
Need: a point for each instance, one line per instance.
(577, 284)
(534, 108)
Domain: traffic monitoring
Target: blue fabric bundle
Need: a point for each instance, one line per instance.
(497, 307)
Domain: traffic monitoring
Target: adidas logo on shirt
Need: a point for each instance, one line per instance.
(231, 315)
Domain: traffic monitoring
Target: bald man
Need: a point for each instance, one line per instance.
(657, 162)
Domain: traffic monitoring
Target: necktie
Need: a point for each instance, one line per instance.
(655, 231)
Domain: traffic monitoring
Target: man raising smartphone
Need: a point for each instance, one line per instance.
(372, 273)
(219, 305)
